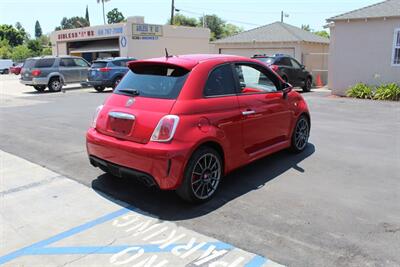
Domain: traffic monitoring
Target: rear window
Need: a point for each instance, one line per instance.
(154, 81)
(99, 64)
(29, 63)
(44, 63)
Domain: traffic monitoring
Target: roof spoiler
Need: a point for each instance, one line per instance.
(140, 63)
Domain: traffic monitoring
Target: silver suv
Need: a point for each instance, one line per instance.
(54, 72)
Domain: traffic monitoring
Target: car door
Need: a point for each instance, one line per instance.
(298, 73)
(220, 108)
(69, 70)
(83, 67)
(286, 69)
(265, 113)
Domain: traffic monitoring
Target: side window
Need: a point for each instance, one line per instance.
(285, 61)
(45, 63)
(295, 64)
(220, 82)
(253, 80)
(118, 63)
(67, 62)
(80, 62)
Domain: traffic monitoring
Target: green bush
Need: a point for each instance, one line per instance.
(390, 91)
(360, 90)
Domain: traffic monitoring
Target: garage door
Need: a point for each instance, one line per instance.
(248, 52)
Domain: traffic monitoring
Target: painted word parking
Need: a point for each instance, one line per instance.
(151, 242)
(62, 230)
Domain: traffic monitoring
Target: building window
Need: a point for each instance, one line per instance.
(396, 48)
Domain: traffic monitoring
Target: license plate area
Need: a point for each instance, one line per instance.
(121, 123)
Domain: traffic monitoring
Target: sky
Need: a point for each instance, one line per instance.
(247, 14)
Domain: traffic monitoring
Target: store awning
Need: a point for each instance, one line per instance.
(96, 47)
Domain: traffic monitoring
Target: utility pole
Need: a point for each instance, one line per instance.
(172, 12)
(286, 15)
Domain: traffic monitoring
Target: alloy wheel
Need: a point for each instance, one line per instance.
(206, 176)
(301, 134)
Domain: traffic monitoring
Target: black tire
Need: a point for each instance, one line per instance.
(307, 85)
(55, 84)
(39, 88)
(116, 82)
(99, 88)
(200, 184)
(6, 71)
(301, 133)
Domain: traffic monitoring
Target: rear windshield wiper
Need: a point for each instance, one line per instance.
(133, 92)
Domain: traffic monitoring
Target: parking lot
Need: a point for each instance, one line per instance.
(335, 204)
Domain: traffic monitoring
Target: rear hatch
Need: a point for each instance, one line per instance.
(43, 66)
(98, 71)
(145, 94)
(26, 71)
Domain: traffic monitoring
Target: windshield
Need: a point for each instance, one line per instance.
(155, 81)
(268, 60)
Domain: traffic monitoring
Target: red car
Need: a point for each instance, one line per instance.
(16, 69)
(183, 122)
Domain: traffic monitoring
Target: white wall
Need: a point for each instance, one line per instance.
(177, 39)
(361, 51)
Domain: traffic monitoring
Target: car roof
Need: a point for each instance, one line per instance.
(108, 59)
(191, 60)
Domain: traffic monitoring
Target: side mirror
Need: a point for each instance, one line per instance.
(286, 88)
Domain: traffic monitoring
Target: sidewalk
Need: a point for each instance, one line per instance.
(49, 220)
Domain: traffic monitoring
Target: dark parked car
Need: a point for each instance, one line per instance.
(289, 69)
(107, 72)
(53, 72)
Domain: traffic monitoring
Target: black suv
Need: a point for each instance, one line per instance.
(289, 69)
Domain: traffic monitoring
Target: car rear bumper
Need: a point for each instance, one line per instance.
(162, 163)
(35, 81)
(105, 83)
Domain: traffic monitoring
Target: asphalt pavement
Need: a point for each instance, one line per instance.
(335, 204)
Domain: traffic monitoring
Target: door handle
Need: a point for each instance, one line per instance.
(248, 112)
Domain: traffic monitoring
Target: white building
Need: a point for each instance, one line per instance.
(365, 46)
(133, 38)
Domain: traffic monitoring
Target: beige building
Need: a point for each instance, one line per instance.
(134, 38)
(309, 49)
(365, 46)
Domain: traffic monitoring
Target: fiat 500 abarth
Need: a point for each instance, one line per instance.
(183, 122)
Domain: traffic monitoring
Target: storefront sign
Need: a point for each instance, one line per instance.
(90, 33)
(146, 30)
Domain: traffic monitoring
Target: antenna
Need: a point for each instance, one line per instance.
(166, 53)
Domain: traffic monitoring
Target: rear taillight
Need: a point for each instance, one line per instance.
(104, 69)
(274, 68)
(36, 73)
(165, 129)
(96, 115)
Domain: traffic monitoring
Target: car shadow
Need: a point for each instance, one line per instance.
(168, 206)
(63, 90)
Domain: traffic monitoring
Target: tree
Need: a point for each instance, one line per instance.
(182, 20)
(72, 23)
(102, 2)
(21, 29)
(230, 29)
(5, 49)
(215, 24)
(20, 53)
(306, 27)
(114, 16)
(46, 51)
(13, 36)
(87, 15)
(322, 34)
(35, 46)
(38, 29)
